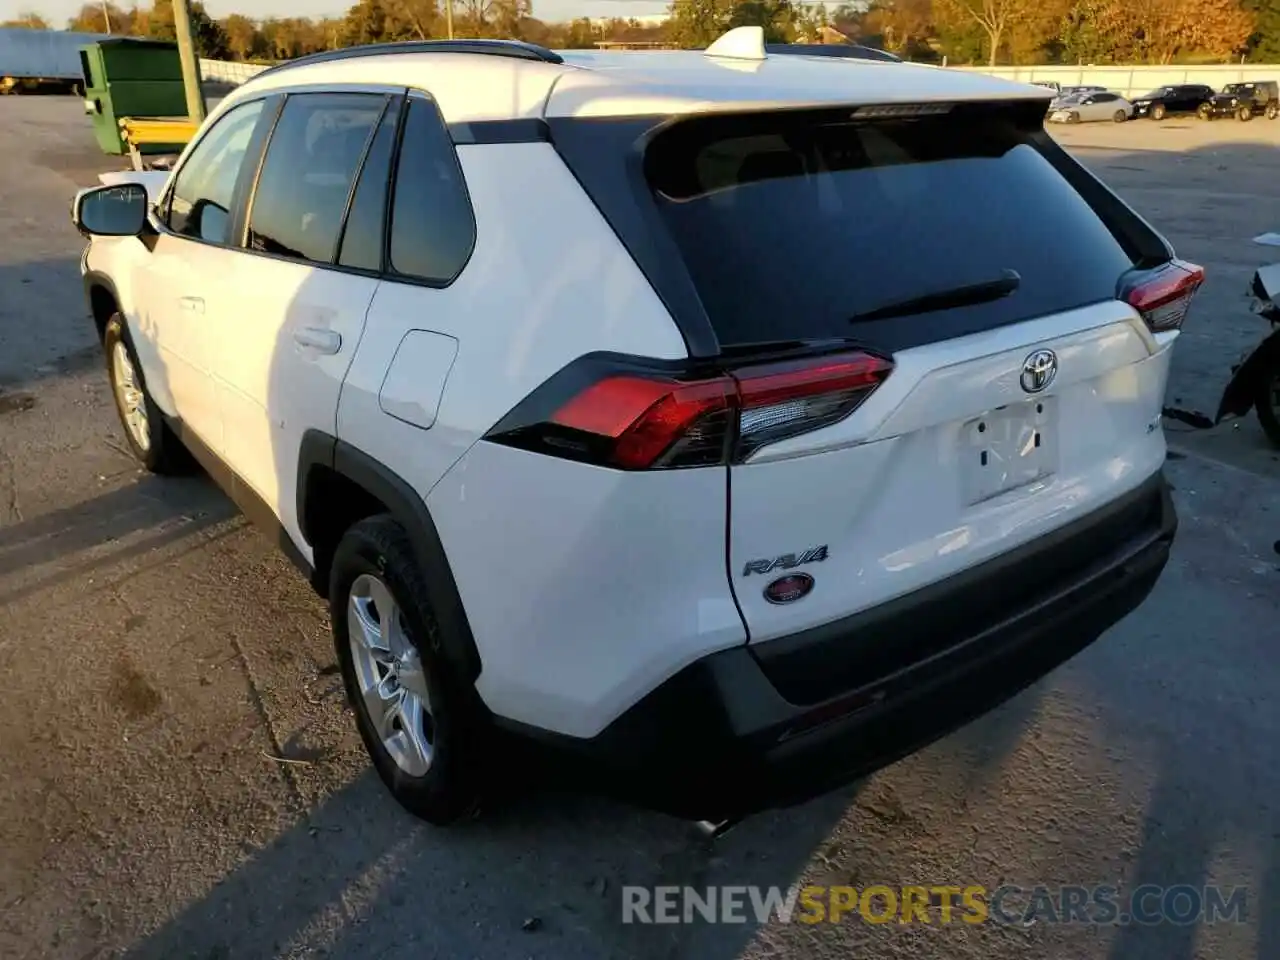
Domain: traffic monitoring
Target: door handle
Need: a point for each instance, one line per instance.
(194, 304)
(314, 338)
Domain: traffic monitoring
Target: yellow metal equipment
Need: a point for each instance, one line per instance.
(141, 131)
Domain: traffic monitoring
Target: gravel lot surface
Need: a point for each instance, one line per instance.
(181, 779)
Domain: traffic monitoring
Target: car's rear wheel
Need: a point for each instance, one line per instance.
(1245, 114)
(1073, 117)
(1273, 110)
(421, 723)
(1120, 116)
(1157, 112)
(151, 441)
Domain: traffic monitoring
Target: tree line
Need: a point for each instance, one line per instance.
(954, 31)
(239, 37)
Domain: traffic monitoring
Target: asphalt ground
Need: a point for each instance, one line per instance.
(179, 776)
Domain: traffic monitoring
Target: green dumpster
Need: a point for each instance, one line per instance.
(130, 77)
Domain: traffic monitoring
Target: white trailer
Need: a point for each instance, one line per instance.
(32, 57)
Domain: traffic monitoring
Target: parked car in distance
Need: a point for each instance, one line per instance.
(1178, 98)
(1244, 101)
(1083, 108)
(1073, 91)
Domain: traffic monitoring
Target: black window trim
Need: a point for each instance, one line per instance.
(387, 104)
(389, 273)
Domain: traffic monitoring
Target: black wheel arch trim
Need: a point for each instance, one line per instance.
(409, 509)
(95, 279)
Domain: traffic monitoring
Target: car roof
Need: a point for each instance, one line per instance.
(473, 81)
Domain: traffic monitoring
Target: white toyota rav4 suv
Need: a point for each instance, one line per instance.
(731, 422)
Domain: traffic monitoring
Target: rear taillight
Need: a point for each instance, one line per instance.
(1162, 295)
(634, 420)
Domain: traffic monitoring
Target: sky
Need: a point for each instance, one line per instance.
(59, 11)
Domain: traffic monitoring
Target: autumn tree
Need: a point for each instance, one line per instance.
(697, 23)
(28, 21)
(206, 33)
(243, 39)
(901, 25)
(1264, 43)
(94, 18)
(994, 17)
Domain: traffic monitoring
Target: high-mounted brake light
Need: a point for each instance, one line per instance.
(1163, 295)
(637, 421)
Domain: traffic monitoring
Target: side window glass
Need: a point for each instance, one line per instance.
(432, 227)
(308, 172)
(199, 204)
(362, 236)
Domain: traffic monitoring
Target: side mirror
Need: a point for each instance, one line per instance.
(116, 211)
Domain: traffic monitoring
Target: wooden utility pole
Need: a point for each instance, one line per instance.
(190, 65)
(448, 17)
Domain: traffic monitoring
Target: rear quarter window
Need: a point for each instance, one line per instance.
(790, 227)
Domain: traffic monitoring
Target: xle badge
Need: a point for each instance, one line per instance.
(788, 561)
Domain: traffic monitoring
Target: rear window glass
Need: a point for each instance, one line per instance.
(790, 228)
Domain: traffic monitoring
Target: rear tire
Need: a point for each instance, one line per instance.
(1157, 112)
(149, 437)
(1273, 110)
(1245, 114)
(1073, 117)
(434, 768)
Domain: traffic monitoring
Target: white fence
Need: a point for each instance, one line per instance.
(224, 71)
(1135, 81)
(1130, 81)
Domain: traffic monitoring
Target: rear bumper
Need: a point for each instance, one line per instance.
(739, 731)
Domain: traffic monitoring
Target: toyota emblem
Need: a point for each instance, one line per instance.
(1038, 370)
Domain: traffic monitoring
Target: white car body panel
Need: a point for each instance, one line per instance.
(282, 336)
(585, 587)
(885, 489)
(546, 261)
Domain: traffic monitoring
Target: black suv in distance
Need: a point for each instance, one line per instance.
(1244, 101)
(1180, 98)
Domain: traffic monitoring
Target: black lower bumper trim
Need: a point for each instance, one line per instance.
(720, 740)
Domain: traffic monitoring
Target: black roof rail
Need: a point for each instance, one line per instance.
(517, 49)
(848, 51)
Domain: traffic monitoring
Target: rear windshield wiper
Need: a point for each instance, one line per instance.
(966, 296)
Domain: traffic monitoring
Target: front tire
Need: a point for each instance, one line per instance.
(422, 724)
(150, 440)
(1120, 116)
(1204, 113)
(1157, 112)
(1073, 117)
(1245, 114)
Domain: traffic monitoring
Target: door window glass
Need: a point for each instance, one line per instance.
(311, 163)
(200, 202)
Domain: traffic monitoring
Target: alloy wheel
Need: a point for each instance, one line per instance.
(390, 675)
